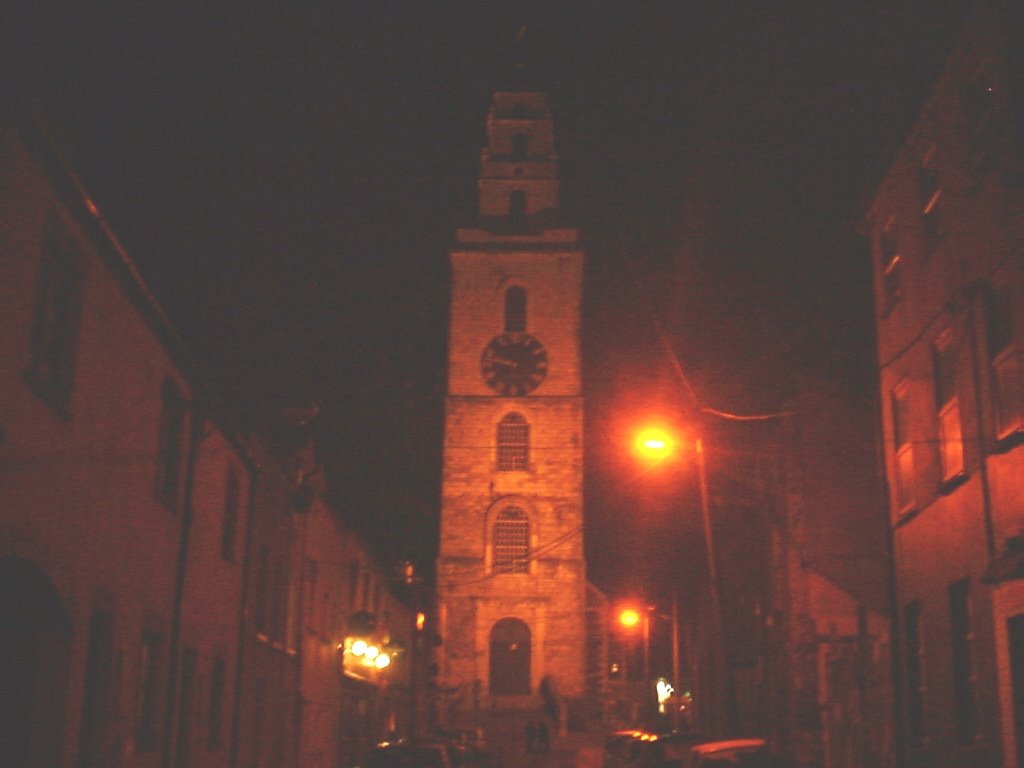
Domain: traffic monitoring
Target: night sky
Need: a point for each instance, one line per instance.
(289, 181)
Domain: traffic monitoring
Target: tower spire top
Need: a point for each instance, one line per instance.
(525, 56)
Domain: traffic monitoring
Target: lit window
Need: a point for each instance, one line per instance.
(1008, 395)
(511, 541)
(904, 475)
(947, 403)
(930, 199)
(513, 443)
(891, 264)
(54, 333)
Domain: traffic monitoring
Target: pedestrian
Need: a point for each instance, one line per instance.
(543, 738)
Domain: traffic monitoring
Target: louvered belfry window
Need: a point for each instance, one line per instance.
(513, 443)
(512, 541)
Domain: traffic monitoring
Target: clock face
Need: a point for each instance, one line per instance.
(514, 364)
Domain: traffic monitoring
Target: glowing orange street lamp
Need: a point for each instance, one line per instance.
(631, 618)
(654, 443)
(628, 617)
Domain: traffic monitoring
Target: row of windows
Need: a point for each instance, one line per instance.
(50, 373)
(980, 106)
(324, 610)
(948, 361)
(102, 697)
(962, 697)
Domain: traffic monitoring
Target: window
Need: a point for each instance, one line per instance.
(312, 594)
(891, 263)
(54, 333)
(930, 197)
(278, 600)
(262, 601)
(964, 712)
(353, 584)
(947, 403)
(1008, 395)
(515, 309)
(520, 142)
(215, 719)
(513, 443)
(904, 474)
(511, 541)
(914, 662)
(186, 707)
(230, 524)
(172, 431)
(517, 209)
(979, 103)
(146, 715)
(99, 689)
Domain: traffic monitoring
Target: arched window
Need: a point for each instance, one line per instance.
(511, 545)
(517, 209)
(513, 443)
(515, 309)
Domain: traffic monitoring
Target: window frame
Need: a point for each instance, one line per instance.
(914, 666)
(56, 321)
(891, 266)
(947, 408)
(904, 485)
(231, 510)
(171, 445)
(512, 437)
(510, 541)
(515, 306)
(930, 197)
(961, 636)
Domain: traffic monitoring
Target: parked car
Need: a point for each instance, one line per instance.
(734, 753)
(404, 754)
(667, 750)
(618, 748)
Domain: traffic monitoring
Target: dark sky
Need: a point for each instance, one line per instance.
(289, 180)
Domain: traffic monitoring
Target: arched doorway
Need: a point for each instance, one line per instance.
(510, 658)
(35, 641)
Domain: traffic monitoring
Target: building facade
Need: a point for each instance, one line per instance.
(123, 502)
(947, 232)
(173, 592)
(511, 571)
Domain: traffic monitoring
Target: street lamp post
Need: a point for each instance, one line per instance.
(631, 618)
(657, 444)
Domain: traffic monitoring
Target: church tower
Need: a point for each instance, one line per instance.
(511, 570)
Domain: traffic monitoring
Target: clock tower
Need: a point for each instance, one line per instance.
(511, 571)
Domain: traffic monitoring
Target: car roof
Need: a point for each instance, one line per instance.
(710, 747)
